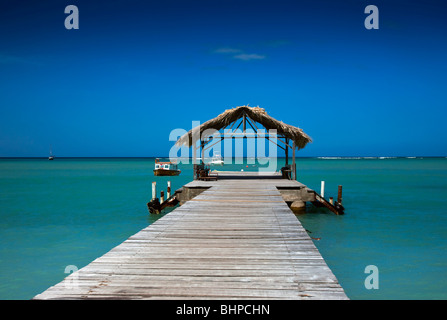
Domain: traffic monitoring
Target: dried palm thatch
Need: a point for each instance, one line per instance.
(255, 113)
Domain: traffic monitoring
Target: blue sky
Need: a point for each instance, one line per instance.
(135, 70)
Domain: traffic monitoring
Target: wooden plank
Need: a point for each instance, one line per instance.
(236, 240)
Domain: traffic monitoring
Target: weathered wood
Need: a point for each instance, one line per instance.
(336, 207)
(154, 206)
(236, 240)
(294, 161)
(339, 197)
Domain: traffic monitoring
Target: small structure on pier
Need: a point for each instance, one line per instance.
(262, 125)
(242, 123)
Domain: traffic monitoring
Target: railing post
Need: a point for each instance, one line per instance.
(169, 190)
(322, 189)
(339, 198)
(154, 190)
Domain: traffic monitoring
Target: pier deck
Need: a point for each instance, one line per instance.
(237, 239)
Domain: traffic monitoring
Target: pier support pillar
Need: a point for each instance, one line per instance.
(298, 207)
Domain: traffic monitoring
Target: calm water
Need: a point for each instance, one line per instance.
(71, 211)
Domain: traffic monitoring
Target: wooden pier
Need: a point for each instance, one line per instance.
(235, 239)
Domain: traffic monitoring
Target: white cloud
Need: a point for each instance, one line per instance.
(248, 57)
(227, 50)
(239, 54)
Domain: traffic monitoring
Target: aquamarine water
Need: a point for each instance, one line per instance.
(71, 211)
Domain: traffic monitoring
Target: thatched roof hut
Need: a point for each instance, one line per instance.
(256, 114)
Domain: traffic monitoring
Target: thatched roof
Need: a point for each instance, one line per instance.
(255, 113)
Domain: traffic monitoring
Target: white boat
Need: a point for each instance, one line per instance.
(51, 157)
(216, 160)
(166, 168)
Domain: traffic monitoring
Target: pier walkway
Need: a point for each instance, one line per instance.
(238, 239)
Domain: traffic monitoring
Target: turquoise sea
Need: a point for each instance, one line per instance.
(69, 211)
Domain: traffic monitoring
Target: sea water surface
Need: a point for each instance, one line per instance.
(67, 212)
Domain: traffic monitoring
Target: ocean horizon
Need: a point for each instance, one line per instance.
(69, 211)
(166, 157)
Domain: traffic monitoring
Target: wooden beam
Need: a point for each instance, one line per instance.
(251, 125)
(268, 138)
(209, 146)
(287, 144)
(293, 162)
(244, 119)
(202, 144)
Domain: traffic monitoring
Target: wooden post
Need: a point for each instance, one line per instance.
(162, 196)
(287, 151)
(169, 190)
(322, 189)
(195, 136)
(194, 161)
(339, 198)
(293, 162)
(194, 155)
(244, 123)
(154, 190)
(202, 145)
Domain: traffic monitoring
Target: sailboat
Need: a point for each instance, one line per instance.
(51, 157)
